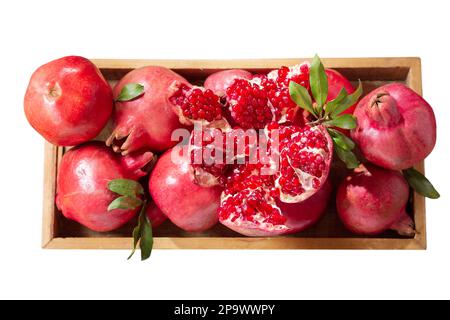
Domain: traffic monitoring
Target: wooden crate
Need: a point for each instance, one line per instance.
(60, 233)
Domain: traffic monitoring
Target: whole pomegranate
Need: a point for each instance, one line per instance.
(261, 199)
(372, 200)
(219, 81)
(155, 215)
(172, 185)
(148, 120)
(68, 101)
(82, 192)
(396, 128)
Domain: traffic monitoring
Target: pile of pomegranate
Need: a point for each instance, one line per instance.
(262, 154)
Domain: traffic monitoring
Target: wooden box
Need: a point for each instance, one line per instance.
(60, 233)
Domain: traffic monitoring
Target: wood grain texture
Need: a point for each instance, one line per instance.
(60, 233)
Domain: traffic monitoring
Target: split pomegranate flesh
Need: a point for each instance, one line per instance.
(257, 202)
(197, 103)
(265, 98)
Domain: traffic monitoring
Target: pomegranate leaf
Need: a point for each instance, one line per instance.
(319, 82)
(346, 156)
(301, 97)
(348, 101)
(126, 187)
(345, 121)
(125, 202)
(146, 242)
(130, 91)
(341, 140)
(420, 183)
(333, 104)
(143, 235)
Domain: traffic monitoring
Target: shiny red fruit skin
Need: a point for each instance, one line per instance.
(82, 185)
(147, 122)
(371, 200)
(303, 215)
(396, 127)
(155, 215)
(336, 82)
(188, 205)
(68, 101)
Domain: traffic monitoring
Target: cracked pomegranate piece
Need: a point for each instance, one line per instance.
(290, 199)
(251, 205)
(277, 87)
(256, 102)
(249, 104)
(305, 155)
(197, 104)
(207, 153)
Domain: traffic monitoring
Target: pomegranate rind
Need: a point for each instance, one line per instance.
(371, 199)
(148, 121)
(173, 189)
(398, 132)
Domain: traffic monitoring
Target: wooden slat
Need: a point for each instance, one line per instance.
(240, 243)
(255, 63)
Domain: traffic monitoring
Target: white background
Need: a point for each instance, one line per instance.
(36, 32)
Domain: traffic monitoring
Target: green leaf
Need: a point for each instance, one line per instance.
(333, 104)
(130, 91)
(301, 97)
(346, 156)
(126, 187)
(136, 237)
(341, 140)
(420, 183)
(350, 100)
(319, 82)
(143, 235)
(345, 121)
(146, 242)
(125, 202)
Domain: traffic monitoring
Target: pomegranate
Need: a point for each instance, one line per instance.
(219, 82)
(149, 120)
(372, 200)
(196, 104)
(68, 101)
(336, 82)
(255, 203)
(155, 215)
(251, 205)
(187, 204)
(396, 128)
(265, 98)
(82, 184)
